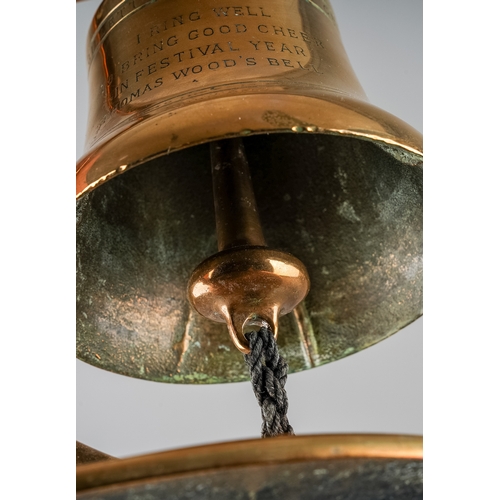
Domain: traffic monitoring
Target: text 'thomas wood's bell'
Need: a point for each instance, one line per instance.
(337, 182)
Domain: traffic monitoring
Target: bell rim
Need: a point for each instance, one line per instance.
(280, 449)
(239, 116)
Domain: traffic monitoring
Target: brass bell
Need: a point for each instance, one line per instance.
(337, 183)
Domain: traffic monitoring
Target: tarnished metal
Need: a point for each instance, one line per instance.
(337, 182)
(353, 216)
(339, 479)
(301, 467)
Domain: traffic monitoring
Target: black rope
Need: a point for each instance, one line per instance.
(268, 373)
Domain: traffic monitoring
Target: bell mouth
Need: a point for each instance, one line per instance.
(161, 129)
(349, 209)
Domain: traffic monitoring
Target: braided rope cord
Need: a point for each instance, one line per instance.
(269, 371)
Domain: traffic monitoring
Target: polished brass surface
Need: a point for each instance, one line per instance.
(337, 181)
(248, 286)
(262, 453)
(171, 74)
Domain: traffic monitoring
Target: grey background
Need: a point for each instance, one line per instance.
(376, 390)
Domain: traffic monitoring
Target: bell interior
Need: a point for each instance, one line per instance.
(349, 208)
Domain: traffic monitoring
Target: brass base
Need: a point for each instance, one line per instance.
(299, 467)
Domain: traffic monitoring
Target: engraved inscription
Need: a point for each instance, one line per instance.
(190, 47)
(240, 11)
